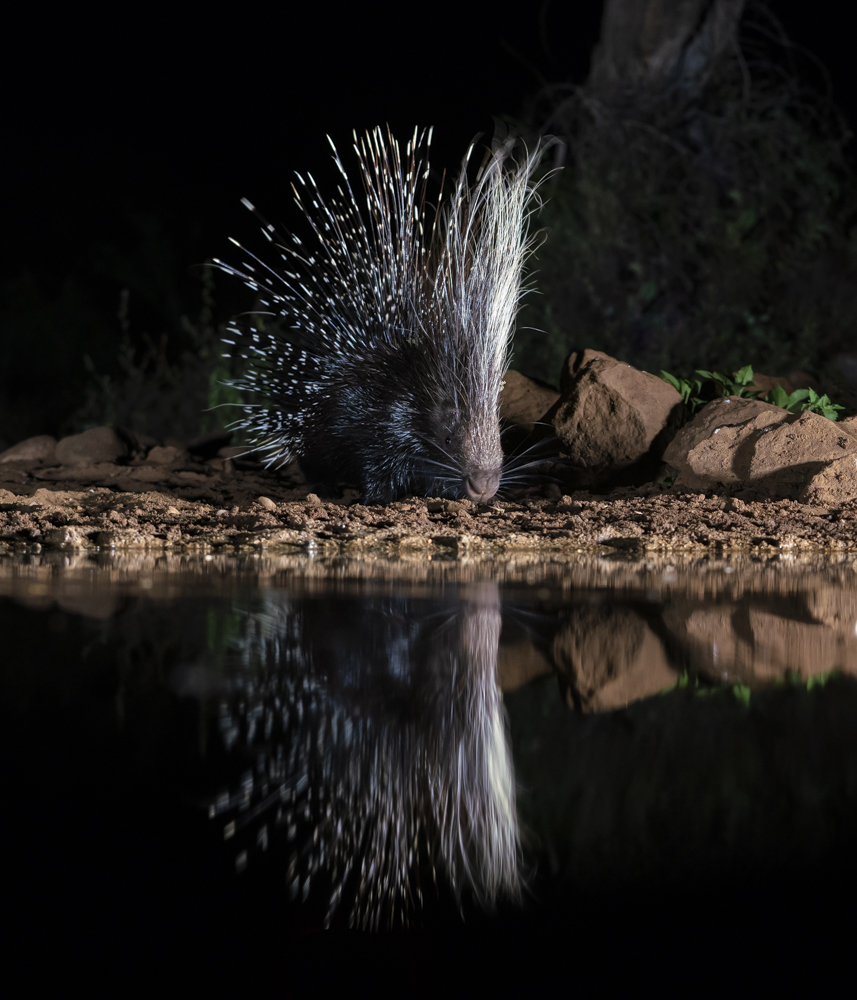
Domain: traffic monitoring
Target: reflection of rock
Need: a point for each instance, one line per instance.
(746, 442)
(518, 663)
(756, 641)
(611, 657)
(377, 731)
(834, 607)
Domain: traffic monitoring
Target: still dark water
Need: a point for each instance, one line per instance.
(294, 774)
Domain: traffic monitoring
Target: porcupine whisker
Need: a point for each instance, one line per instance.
(519, 467)
(520, 475)
(451, 473)
(515, 458)
(442, 465)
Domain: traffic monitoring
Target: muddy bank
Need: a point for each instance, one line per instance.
(187, 504)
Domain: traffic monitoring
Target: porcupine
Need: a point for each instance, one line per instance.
(377, 734)
(397, 331)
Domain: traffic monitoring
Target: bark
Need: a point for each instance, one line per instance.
(659, 46)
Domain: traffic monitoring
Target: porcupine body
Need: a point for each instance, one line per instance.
(381, 344)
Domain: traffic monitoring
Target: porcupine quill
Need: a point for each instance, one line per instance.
(379, 744)
(383, 342)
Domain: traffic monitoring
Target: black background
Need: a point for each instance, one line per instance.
(172, 114)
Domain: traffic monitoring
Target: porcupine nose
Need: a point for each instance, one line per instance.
(482, 485)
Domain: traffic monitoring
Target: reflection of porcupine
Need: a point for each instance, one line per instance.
(379, 741)
(391, 332)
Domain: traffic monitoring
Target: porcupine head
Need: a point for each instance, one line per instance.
(386, 334)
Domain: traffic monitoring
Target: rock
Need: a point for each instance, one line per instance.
(848, 424)
(765, 383)
(613, 417)
(794, 448)
(139, 443)
(524, 401)
(167, 455)
(833, 485)
(735, 441)
(705, 451)
(803, 380)
(573, 364)
(41, 448)
(101, 444)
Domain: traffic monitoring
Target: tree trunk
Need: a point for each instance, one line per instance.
(651, 48)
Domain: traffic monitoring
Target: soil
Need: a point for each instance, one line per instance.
(191, 505)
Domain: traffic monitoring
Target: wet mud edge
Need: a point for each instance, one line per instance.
(117, 507)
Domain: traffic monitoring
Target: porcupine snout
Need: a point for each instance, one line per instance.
(482, 485)
(481, 456)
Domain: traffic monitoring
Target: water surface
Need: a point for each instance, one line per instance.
(210, 760)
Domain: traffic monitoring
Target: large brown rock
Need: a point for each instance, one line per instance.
(612, 417)
(743, 442)
(848, 424)
(41, 448)
(524, 401)
(101, 444)
(833, 485)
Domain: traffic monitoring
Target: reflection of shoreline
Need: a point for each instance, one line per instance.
(380, 748)
(729, 620)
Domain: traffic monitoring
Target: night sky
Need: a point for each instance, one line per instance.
(141, 134)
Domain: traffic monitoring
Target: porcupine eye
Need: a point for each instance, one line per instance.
(446, 427)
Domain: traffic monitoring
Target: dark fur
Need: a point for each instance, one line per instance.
(385, 427)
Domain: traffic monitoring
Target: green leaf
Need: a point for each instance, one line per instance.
(747, 219)
(744, 376)
(778, 396)
(742, 693)
(648, 290)
(795, 402)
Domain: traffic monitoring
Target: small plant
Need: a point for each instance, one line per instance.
(803, 399)
(740, 384)
(688, 389)
(181, 397)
